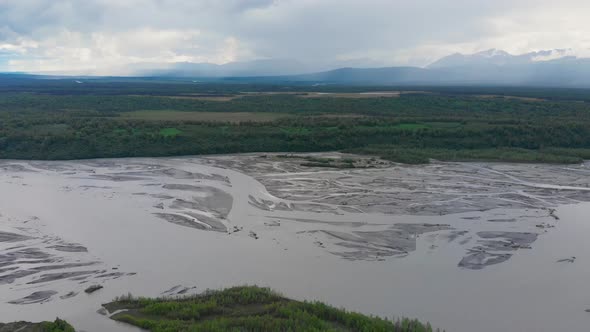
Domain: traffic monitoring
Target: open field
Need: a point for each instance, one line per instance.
(351, 95)
(197, 96)
(301, 94)
(373, 94)
(231, 117)
(512, 97)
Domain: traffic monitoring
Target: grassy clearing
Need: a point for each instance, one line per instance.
(443, 125)
(353, 95)
(170, 132)
(411, 126)
(206, 97)
(510, 97)
(248, 309)
(234, 117)
(346, 95)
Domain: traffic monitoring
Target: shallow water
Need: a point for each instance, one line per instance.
(385, 241)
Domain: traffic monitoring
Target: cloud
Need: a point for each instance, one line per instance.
(106, 53)
(110, 36)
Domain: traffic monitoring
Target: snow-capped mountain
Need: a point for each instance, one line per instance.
(495, 57)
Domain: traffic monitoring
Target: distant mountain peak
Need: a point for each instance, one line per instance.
(492, 52)
(496, 57)
(547, 55)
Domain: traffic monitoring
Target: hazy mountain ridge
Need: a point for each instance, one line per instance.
(545, 68)
(264, 67)
(500, 58)
(491, 67)
(253, 68)
(541, 68)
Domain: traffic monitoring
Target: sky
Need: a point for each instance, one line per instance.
(110, 37)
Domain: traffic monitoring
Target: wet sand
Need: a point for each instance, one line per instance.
(453, 243)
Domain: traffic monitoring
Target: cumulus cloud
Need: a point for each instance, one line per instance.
(113, 36)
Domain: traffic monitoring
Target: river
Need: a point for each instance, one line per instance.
(465, 246)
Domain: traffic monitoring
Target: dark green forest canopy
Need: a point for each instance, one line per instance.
(51, 122)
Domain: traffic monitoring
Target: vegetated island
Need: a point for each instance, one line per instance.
(58, 325)
(244, 309)
(247, 308)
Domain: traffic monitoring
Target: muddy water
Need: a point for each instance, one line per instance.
(469, 247)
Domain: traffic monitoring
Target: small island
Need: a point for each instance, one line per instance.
(247, 308)
(58, 325)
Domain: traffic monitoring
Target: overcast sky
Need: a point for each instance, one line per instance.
(106, 36)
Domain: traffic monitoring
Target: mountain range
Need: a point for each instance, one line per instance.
(495, 57)
(491, 67)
